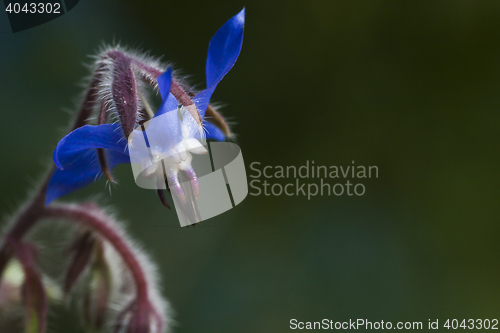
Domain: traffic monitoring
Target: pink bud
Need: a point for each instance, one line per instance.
(34, 296)
(97, 291)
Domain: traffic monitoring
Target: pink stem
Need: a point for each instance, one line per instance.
(90, 215)
(175, 89)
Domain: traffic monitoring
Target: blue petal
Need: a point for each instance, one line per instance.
(223, 50)
(202, 99)
(109, 136)
(164, 81)
(168, 105)
(212, 132)
(83, 171)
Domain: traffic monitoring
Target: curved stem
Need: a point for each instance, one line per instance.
(29, 214)
(90, 215)
(32, 210)
(35, 208)
(175, 89)
(89, 100)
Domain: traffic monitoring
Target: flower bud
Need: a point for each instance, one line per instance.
(10, 287)
(124, 92)
(81, 248)
(97, 290)
(33, 291)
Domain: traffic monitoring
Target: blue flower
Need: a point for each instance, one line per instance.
(76, 155)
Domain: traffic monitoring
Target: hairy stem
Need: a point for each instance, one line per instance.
(30, 213)
(175, 89)
(88, 215)
(89, 100)
(91, 216)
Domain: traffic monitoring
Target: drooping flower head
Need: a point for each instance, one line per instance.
(162, 147)
(91, 151)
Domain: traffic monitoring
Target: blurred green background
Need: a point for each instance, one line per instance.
(412, 87)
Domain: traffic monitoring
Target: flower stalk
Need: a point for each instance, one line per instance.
(115, 99)
(91, 217)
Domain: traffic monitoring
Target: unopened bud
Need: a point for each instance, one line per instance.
(33, 291)
(97, 290)
(81, 249)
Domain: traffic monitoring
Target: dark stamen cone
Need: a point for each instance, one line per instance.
(163, 199)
